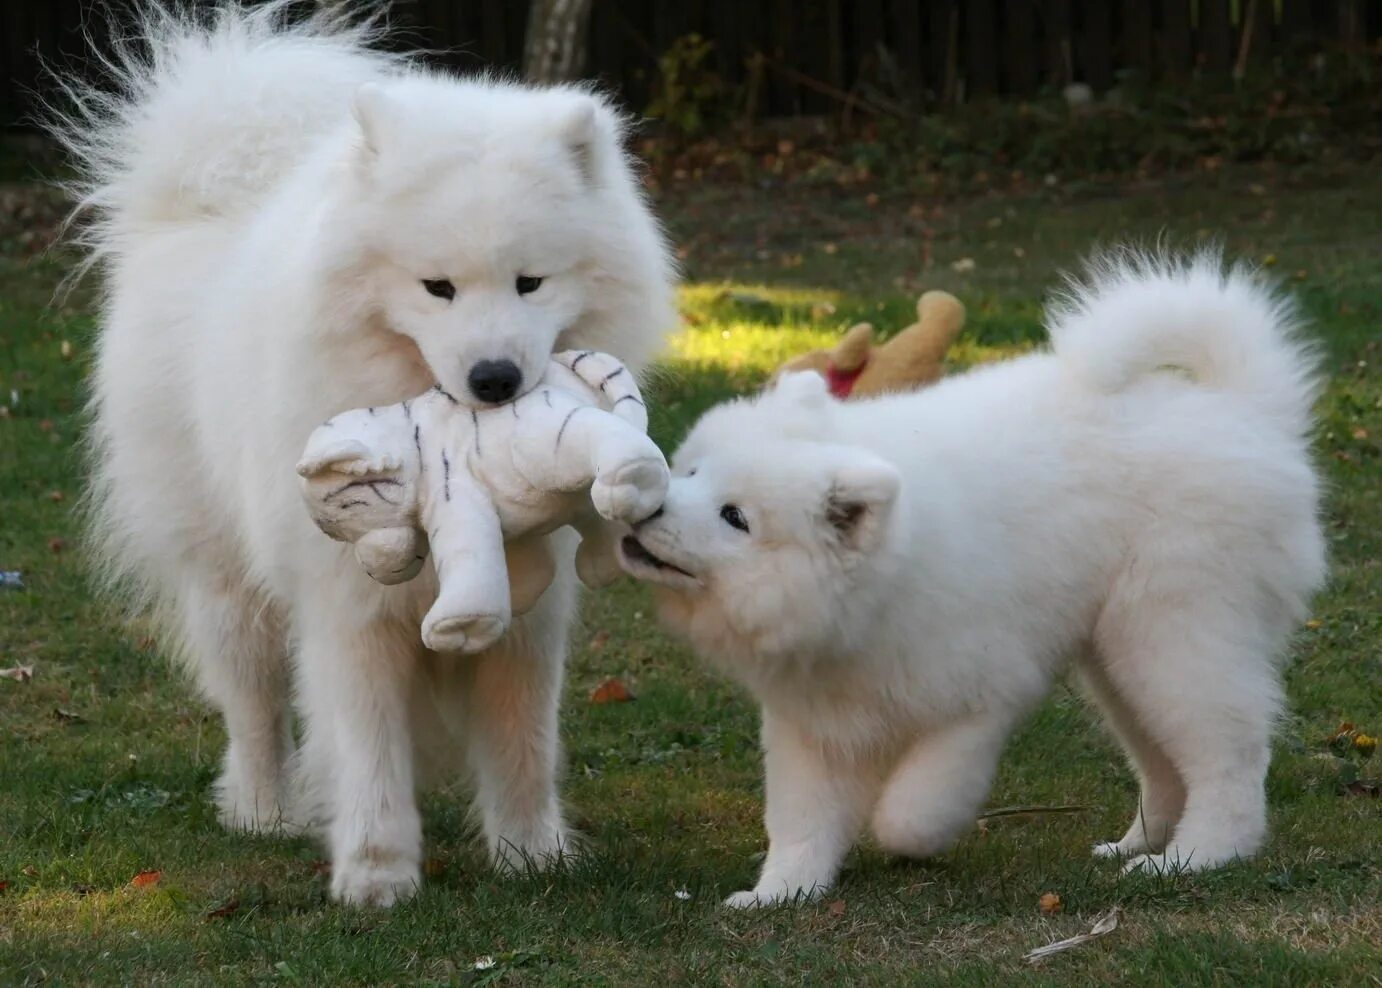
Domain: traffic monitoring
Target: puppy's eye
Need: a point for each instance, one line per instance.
(440, 287)
(527, 284)
(734, 518)
(691, 472)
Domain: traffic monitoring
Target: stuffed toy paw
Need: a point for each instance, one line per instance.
(857, 367)
(479, 488)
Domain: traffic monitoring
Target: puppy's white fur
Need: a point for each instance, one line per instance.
(265, 199)
(919, 567)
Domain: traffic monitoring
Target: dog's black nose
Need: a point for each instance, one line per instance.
(494, 381)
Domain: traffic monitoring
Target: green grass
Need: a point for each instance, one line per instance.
(667, 787)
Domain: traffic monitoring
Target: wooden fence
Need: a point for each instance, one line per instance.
(799, 56)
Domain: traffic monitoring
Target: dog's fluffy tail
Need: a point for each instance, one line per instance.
(201, 110)
(1224, 327)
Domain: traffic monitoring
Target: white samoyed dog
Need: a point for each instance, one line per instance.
(291, 224)
(898, 580)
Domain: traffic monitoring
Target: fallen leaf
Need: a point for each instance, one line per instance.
(228, 908)
(1314, 623)
(67, 716)
(4, 885)
(611, 691)
(320, 867)
(836, 908)
(66, 350)
(56, 496)
(146, 878)
(56, 545)
(599, 640)
(1104, 925)
(45, 425)
(434, 867)
(1360, 433)
(20, 674)
(29, 871)
(1050, 904)
(964, 265)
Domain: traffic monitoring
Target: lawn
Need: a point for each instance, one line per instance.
(106, 755)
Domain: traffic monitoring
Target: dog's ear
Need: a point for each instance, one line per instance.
(591, 131)
(373, 109)
(859, 501)
(806, 388)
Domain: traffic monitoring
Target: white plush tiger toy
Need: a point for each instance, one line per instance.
(482, 486)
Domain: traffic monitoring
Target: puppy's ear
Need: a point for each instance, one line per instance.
(373, 109)
(806, 388)
(591, 132)
(859, 501)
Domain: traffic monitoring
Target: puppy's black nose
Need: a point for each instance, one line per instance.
(494, 381)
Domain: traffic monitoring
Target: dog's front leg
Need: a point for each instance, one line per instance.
(817, 801)
(356, 673)
(510, 717)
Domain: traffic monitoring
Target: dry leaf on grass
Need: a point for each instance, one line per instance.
(20, 674)
(611, 691)
(1050, 904)
(67, 716)
(836, 908)
(1103, 926)
(146, 878)
(228, 908)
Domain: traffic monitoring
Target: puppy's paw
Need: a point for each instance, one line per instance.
(466, 634)
(632, 492)
(747, 899)
(1112, 849)
(380, 883)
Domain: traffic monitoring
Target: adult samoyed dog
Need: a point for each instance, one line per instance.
(898, 580)
(289, 224)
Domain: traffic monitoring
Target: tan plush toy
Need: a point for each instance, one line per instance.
(912, 359)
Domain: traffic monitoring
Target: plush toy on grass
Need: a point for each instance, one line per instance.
(912, 359)
(481, 486)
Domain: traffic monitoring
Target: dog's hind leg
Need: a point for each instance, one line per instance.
(1162, 795)
(933, 795)
(1196, 671)
(237, 649)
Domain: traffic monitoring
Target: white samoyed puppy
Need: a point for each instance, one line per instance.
(899, 580)
(291, 224)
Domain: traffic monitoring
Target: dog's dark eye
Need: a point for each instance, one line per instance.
(734, 518)
(440, 287)
(527, 284)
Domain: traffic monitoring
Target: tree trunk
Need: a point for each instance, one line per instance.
(555, 49)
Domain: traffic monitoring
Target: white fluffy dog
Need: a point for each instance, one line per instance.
(292, 224)
(898, 580)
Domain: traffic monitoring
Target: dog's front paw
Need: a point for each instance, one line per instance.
(772, 895)
(467, 634)
(632, 492)
(379, 883)
(747, 899)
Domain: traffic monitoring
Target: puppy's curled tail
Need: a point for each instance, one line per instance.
(1132, 314)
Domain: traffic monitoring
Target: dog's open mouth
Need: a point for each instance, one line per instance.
(637, 553)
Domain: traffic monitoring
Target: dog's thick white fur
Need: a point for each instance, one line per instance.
(898, 580)
(267, 197)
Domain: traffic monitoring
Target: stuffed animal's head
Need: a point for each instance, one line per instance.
(856, 367)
